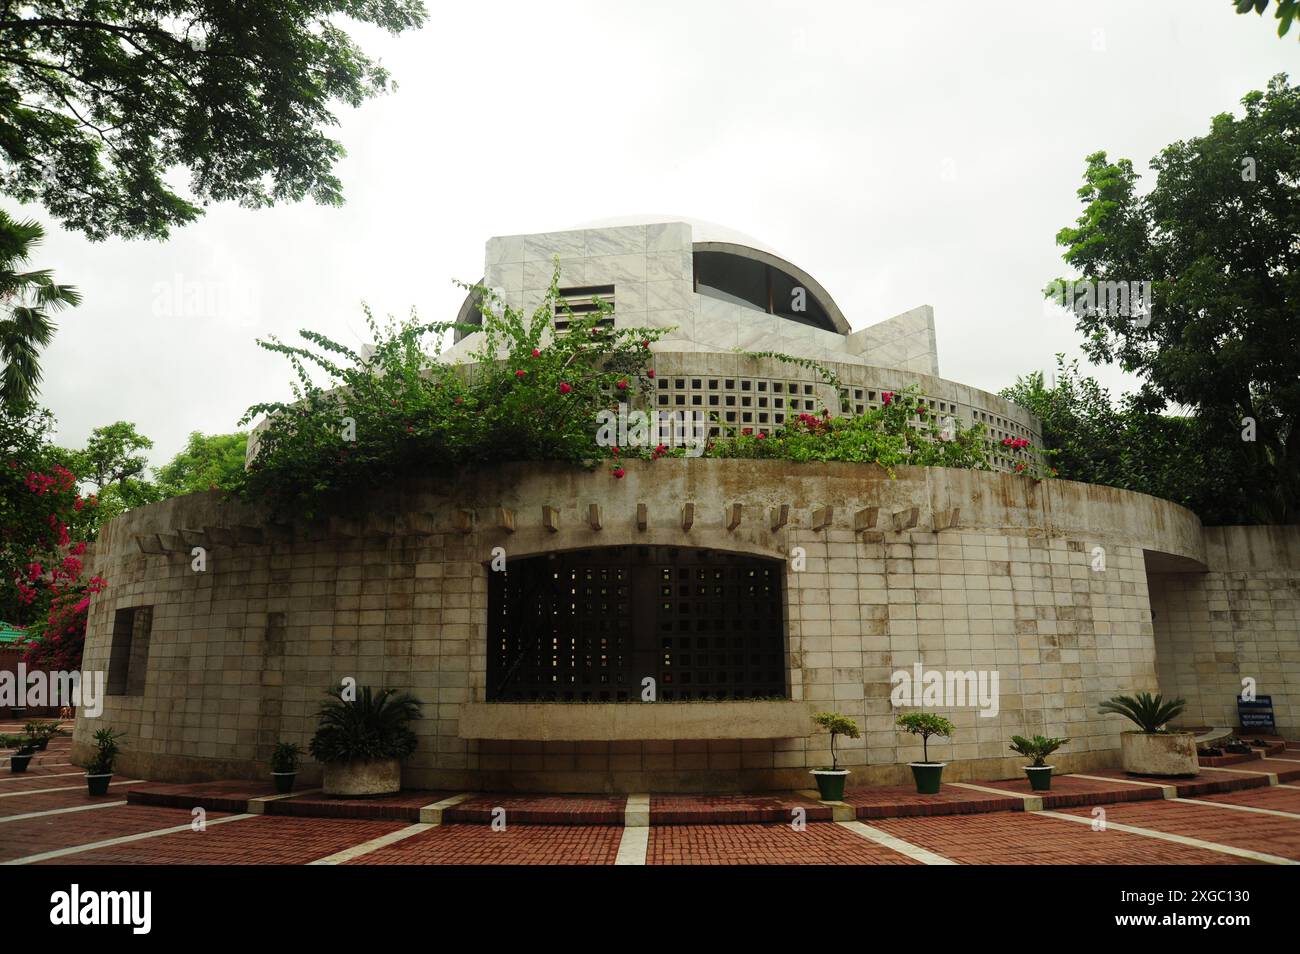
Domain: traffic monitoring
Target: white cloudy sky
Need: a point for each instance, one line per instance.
(823, 129)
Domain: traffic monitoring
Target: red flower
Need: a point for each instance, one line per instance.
(887, 396)
(565, 388)
(618, 473)
(520, 373)
(651, 372)
(747, 431)
(536, 353)
(622, 385)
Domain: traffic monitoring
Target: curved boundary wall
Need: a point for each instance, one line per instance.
(1043, 583)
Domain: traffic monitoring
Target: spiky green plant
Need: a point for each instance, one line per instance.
(1038, 748)
(371, 726)
(1151, 712)
(106, 752)
(837, 724)
(284, 757)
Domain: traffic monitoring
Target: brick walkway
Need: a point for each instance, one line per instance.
(46, 817)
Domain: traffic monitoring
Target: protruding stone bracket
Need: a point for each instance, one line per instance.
(193, 538)
(688, 516)
(642, 516)
(149, 544)
(221, 536)
(594, 518)
(172, 542)
(733, 515)
(906, 519)
(780, 517)
(419, 523)
(822, 517)
(550, 518)
(464, 520)
(946, 519)
(865, 519)
(248, 535)
(505, 519)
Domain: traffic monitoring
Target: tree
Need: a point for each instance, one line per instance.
(1286, 11)
(112, 455)
(26, 300)
(99, 101)
(1217, 239)
(207, 462)
(1093, 439)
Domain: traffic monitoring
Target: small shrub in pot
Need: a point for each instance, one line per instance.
(1038, 749)
(927, 775)
(830, 781)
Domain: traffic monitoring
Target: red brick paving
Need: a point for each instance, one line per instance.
(1068, 791)
(1266, 833)
(540, 809)
(404, 806)
(231, 796)
(1274, 797)
(903, 801)
(1016, 838)
(515, 845)
(260, 840)
(731, 809)
(817, 844)
(22, 804)
(1203, 784)
(32, 836)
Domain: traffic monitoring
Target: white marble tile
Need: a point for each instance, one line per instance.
(669, 295)
(505, 248)
(616, 269)
(664, 266)
(547, 245)
(622, 240)
(509, 276)
(668, 236)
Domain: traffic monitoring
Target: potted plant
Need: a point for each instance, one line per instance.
(1154, 750)
(41, 733)
(24, 748)
(284, 765)
(927, 775)
(100, 770)
(1038, 748)
(360, 742)
(830, 781)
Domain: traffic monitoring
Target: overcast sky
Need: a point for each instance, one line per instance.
(903, 153)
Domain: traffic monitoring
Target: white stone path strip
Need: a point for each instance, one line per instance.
(894, 843)
(635, 843)
(1272, 776)
(257, 806)
(1176, 839)
(23, 776)
(65, 788)
(430, 817)
(374, 844)
(59, 811)
(1170, 791)
(123, 840)
(1242, 808)
(1033, 803)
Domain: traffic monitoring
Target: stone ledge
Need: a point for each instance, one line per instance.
(634, 721)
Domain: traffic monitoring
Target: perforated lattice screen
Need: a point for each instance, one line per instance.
(590, 625)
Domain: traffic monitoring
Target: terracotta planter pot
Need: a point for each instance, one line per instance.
(350, 779)
(1159, 753)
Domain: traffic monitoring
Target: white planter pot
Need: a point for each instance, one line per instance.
(1160, 753)
(377, 777)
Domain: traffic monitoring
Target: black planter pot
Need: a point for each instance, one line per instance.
(18, 763)
(284, 781)
(98, 784)
(42, 744)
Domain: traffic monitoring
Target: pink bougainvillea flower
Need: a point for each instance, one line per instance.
(618, 473)
(565, 387)
(622, 385)
(536, 353)
(887, 397)
(520, 373)
(651, 372)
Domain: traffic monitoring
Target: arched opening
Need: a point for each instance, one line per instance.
(591, 625)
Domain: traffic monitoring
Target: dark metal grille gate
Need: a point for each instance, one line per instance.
(589, 625)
